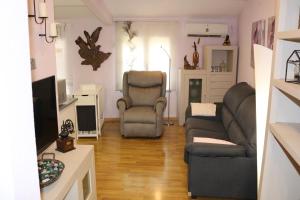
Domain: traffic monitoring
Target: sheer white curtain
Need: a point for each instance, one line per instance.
(144, 51)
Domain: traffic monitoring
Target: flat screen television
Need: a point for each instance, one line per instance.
(45, 112)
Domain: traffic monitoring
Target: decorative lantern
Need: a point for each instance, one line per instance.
(292, 71)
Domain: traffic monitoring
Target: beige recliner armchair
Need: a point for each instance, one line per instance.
(141, 109)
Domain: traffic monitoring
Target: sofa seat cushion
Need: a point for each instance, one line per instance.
(202, 124)
(204, 133)
(141, 114)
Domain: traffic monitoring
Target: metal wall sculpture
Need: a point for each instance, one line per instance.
(89, 51)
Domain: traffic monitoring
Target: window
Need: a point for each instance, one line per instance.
(144, 51)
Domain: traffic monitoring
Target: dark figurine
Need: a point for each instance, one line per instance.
(195, 56)
(187, 65)
(89, 51)
(227, 41)
(64, 133)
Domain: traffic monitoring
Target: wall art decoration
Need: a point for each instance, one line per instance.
(89, 51)
(299, 20)
(257, 36)
(271, 32)
(129, 31)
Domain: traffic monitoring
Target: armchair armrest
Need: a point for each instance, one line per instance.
(218, 117)
(215, 150)
(160, 104)
(124, 103)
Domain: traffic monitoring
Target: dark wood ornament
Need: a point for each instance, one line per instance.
(187, 65)
(89, 51)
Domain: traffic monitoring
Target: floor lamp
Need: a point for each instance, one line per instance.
(169, 122)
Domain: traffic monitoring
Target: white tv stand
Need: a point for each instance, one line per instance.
(77, 181)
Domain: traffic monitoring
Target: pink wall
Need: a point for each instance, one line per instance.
(254, 10)
(105, 76)
(42, 52)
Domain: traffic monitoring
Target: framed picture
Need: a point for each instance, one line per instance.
(299, 20)
(257, 36)
(271, 32)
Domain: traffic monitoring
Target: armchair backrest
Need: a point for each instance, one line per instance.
(144, 87)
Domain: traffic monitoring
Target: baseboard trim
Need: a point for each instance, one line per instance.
(114, 119)
(117, 119)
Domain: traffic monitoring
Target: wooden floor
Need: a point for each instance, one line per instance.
(140, 169)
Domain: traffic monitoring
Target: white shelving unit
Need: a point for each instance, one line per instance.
(77, 181)
(213, 84)
(280, 177)
(288, 135)
(90, 104)
(289, 88)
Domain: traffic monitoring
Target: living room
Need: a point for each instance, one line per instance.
(127, 168)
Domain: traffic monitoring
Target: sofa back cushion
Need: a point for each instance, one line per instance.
(233, 99)
(246, 118)
(242, 129)
(236, 94)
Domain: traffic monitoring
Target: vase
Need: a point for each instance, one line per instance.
(196, 59)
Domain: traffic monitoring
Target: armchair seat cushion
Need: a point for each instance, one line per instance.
(141, 114)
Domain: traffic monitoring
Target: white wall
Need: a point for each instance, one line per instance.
(254, 10)
(42, 52)
(106, 74)
(19, 173)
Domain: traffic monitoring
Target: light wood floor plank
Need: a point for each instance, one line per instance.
(140, 169)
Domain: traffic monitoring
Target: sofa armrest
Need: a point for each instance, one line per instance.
(123, 103)
(160, 105)
(215, 150)
(218, 117)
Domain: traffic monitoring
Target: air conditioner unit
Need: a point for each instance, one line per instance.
(206, 30)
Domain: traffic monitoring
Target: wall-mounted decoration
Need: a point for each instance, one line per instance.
(299, 20)
(89, 51)
(271, 32)
(127, 29)
(292, 71)
(257, 36)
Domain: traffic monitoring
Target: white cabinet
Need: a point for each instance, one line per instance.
(89, 110)
(192, 87)
(77, 181)
(280, 177)
(220, 58)
(210, 83)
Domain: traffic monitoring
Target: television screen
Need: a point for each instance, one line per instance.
(45, 112)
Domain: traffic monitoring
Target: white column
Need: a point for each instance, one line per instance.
(19, 175)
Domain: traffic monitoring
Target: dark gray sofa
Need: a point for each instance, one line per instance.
(216, 170)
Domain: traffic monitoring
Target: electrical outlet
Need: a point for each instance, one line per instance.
(32, 63)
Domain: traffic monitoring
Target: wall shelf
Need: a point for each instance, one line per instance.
(289, 88)
(293, 36)
(281, 159)
(288, 135)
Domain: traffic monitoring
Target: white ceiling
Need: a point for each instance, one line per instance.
(152, 8)
(173, 8)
